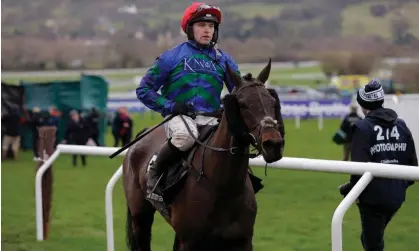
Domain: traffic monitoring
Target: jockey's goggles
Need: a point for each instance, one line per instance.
(204, 7)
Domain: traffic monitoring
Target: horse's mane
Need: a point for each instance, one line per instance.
(248, 77)
(246, 80)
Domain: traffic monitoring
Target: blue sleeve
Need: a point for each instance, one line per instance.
(235, 68)
(155, 77)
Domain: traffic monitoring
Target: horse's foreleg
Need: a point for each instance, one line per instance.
(140, 217)
(178, 245)
(217, 243)
(237, 245)
(247, 246)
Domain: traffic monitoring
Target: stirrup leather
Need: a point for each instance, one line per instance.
(153, 196)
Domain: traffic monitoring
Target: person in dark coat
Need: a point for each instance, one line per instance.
(92, 120)
(116, 127)
(77, 133)
(125, 126)
(35, 121)
(52, 119)
(12, 124)
(346, 128)
(380, 137)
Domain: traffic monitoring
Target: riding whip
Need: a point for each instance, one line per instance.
(141, 136)
(191, 114)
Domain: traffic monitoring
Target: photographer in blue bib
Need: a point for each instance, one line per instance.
(380, 137)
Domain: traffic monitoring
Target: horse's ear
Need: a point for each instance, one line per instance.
(264, 74)
(233, 76)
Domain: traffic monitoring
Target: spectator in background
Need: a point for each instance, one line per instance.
(346, 127)
(125, 126)
(52, 119)
(344, 135)
(12, 124)
(35, 121)
(116, 127)
(92, 120)
(77, 133)
(53, 116)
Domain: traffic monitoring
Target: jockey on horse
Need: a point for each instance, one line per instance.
(191, 77)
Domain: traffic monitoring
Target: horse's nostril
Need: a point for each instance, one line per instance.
(267, 143)
(272, 143)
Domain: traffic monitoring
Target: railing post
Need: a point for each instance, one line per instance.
(343, 207)
(297, 121)
(38, 194)
(320, 121)
(108, 208)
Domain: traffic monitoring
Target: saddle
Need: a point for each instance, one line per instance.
(174, 178)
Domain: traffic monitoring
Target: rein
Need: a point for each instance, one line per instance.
(232, 150)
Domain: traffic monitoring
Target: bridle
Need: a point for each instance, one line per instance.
(267, 122)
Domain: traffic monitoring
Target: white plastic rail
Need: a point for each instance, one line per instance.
(367, 170)
(68, 149)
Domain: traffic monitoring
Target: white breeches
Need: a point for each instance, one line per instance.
(181, 138)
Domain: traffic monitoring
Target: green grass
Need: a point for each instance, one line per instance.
(284, 76)
(251, 10)
(277, 77)
(37, 79)
(294, 82)
(245, 10)
(294, 209)
(46, 78)
(299, 70)
(122, 88)
(357, 20)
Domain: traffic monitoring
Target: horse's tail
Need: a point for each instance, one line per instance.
(131, 240)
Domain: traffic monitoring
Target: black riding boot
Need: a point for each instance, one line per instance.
(167, 156)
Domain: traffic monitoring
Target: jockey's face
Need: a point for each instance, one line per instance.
(203, 32)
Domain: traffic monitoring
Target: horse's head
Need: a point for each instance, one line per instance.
(253, 113)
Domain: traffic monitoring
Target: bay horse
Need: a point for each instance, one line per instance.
(213, 206)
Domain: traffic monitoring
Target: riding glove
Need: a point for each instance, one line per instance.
(344, 189)
(181, 109)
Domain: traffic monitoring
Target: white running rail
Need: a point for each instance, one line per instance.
(68, 149)
(367, 170)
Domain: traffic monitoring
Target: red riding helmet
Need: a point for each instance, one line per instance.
(198, 12)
